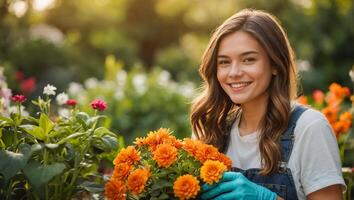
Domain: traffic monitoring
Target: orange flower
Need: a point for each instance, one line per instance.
(186, 187)
(212, 171)
(121, 171)
(225, 160)
(331, 114)
(160, 136)
(303, 100)
(127, 155)
(207, 152)
(137, 180)
(115, 190)
(165, 155)
(191, 145)
(139, 141)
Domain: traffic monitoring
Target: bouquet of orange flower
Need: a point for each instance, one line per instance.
(160, 166)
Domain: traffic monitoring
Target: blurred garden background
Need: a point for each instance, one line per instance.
(142, 56)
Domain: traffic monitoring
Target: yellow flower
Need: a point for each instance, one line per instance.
(137, 180)
(115, 190)
(165, 155)
(127, 155)
(186, 187)
(212, 171)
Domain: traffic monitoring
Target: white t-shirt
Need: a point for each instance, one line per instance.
(314, 161)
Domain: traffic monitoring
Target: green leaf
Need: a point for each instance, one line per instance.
(103, 131)
(51, 146)
(164, 196)
(161, 184)
(39, 175)
(35, 131)
(12, 162)
(45, 123)
(31, 119)
(5, 120)
(110, 142)
(74, 135)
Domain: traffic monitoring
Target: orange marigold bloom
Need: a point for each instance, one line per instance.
(121, 171)
(127, 155)
(165, 155)
(158, 137)
(137, 180)
(139, 141)
(331, 114)
(207, 152)
(115, 190)
(191, 145)
(212, 171)
(186, 187)
(303, 100)
(225, 160)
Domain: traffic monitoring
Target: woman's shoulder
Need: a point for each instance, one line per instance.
(313, 122)
(311, 115)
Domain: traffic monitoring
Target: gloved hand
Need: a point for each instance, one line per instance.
(235, 186)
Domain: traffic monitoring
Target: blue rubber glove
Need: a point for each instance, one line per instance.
(234, 185)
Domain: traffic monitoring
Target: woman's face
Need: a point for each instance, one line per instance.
(243, 69)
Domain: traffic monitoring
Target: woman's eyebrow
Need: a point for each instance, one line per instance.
(242, 54)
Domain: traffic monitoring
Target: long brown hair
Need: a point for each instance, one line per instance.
(212, 111)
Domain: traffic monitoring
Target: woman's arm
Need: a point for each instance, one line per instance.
(332, 192)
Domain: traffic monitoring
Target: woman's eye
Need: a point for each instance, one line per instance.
(223, 62)
(249, 60)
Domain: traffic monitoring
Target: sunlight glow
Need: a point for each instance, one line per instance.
(41, 5)
(19, 8)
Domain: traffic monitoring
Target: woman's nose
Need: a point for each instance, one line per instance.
(235, 69)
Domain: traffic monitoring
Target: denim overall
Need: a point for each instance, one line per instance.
(280, 182)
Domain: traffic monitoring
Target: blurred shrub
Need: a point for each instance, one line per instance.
(138, 101)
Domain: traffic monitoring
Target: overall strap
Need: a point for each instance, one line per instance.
(287, 139)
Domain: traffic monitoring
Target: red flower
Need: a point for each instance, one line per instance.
(98, 105)
(18, 98)
(71, 102)
(19, 76)
(28, 85)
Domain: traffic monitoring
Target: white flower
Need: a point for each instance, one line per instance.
(187, 89)
(351, 74)
(62, 98)
(75, 88)
(14, 109)
(63, 112)
(164, 77)
(139, 83)
(121, 77)
(91, 83)
(49, 90)
(119, 94)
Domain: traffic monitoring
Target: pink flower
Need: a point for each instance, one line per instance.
(71, 102)
(98, 104)
(318, 96)
(18, 98)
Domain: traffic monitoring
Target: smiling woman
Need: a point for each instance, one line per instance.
(279, 149)
(243, 69)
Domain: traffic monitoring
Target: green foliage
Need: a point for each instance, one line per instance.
(42, 158)
(139, 101)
